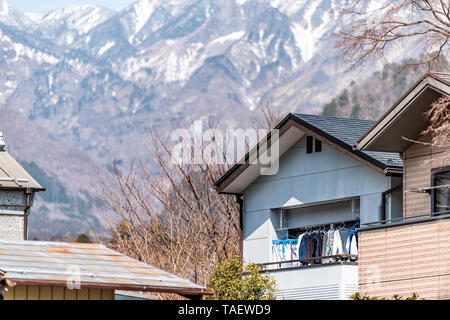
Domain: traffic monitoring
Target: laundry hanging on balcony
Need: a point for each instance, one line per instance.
(318, 241)
(285, 250)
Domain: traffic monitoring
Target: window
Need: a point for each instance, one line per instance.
(312, 142)
(309, 144)
(318, 145)
(440, 197)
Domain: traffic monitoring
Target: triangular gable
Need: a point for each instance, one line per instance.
(292, 128)
(405, 117)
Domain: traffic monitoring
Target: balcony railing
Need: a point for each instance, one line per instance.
(405, 219)
(309, 262)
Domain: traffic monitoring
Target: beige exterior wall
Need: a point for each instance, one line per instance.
(419, 160)
(412, 257)
(56, 293)
(406, 259)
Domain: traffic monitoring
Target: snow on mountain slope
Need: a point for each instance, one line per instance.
(78, 18)
(69, 23)
(97, 78)
(9, 15)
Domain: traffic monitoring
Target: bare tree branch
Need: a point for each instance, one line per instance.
(372, 34)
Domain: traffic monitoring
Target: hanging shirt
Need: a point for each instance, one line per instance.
(329, 246)
(310, 246)
(277, 252)
(294, 254)
(324, 242)
(318, 243)
(302, 246)
(343, 233)
(339, 242)
(352, 245)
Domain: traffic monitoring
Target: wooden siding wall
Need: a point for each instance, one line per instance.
(419, 160)
(406, 259)
(56, 293)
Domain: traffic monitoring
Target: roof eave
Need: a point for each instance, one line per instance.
(113, 286)
(365, 141)
(221, 180)
(35, 189)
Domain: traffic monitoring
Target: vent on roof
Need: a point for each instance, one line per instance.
(2, 142)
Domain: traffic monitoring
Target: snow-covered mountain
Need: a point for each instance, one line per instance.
(96, 78)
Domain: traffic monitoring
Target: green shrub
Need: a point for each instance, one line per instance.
(229, 284)
(358, 296)
(83, 238)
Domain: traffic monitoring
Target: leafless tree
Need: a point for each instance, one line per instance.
(173, 219)
(422, 25)
(373, 32)
(267, 118)
(439, 119)
(425, 24)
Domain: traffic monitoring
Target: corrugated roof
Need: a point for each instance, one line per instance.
(13, 175)
(348, 130)
(54, 263)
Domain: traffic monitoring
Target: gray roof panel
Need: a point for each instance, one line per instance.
(13, 175)
(348, 131)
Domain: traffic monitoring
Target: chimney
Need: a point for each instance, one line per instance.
(2, 142)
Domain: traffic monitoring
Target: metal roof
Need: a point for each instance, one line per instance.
(13, 175)
(55, 263)
(348, 130)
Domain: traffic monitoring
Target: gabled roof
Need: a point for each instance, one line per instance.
(54, 263)
(342, 133)
(348, 131)
(14, 176)
(405, 117)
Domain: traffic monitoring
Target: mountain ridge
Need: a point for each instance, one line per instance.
(98, 78)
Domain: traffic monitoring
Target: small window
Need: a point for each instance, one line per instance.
(440, 196)
(317, 145)
(309, 144)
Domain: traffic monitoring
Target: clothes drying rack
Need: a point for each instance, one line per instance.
(285, 239)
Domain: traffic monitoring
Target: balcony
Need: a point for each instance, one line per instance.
(335, 278)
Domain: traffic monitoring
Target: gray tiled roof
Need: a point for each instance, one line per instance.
(348, 131)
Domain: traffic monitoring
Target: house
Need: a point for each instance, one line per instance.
(17, 190)
(42, 270)
(410, 253)
(323, 184)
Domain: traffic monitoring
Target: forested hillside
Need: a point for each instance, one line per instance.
(370, 97)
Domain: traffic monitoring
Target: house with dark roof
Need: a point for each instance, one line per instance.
(299, 223)
(410, 254)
